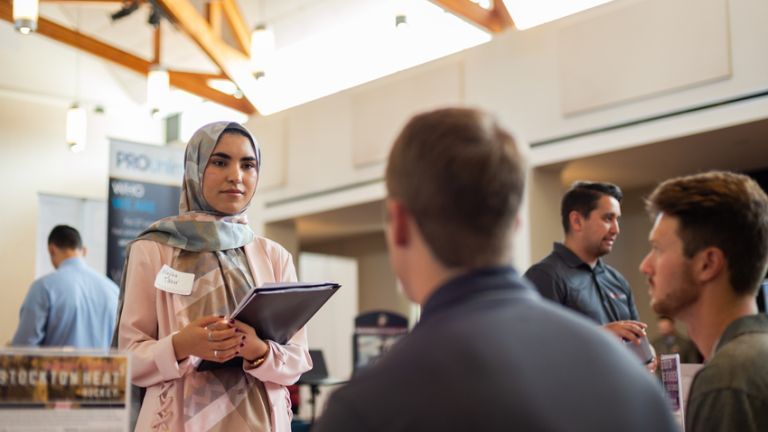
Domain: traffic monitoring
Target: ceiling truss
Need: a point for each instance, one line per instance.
(494, 20)
(206, 31)
(234, 63)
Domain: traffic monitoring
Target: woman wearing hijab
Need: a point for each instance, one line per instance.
(183, 275)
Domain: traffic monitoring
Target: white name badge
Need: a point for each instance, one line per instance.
(174, 281)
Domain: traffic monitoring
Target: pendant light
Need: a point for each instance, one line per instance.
(158, 88)
(25, 15)
(158, 79)
(76, 128)
(262, 49)
(400, 9)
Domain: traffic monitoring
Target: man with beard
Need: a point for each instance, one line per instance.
(709, 253)
(575, 276)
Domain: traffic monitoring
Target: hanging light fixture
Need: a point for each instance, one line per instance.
(400, 9)
(76, 128)
(158, 88)
(401, 21)
(25, 15)
(262, 49)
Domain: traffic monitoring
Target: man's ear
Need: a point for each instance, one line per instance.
(576, 220)
(83, 251)
(53, 255)
(709, 263)
(399, 220)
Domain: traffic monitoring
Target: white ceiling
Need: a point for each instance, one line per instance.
(131, 33)
(322, 46)
(291, 20)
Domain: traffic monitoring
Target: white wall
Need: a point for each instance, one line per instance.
(378, 287)
(34, 159)
(87, 216)
(37, 84)
(520, 77)
(331, 329)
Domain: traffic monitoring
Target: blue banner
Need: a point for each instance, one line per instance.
(144, 186)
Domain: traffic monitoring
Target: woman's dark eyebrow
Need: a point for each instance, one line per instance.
(221, 155)
(228, 157)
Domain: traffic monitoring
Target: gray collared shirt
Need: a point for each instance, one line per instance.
(600, 293)
(730, 393)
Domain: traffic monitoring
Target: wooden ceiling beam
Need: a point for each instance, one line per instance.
(85, 1)
(235, 65)
(200, 75)
(190, 82)
(493, 20)
(237, 24)
(214, 15)
(156, 44)
(81, 41)
(502, 14)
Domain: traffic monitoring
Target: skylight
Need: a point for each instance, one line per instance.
(365, 49)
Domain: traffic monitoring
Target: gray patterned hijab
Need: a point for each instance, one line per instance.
(183, 231)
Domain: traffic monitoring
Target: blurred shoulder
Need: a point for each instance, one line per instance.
(271, 247)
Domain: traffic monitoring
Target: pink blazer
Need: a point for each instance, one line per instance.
(148, 321)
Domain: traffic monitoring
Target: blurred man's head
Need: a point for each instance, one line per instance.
(665, 326)
(64, 242)
(590, 213)
(456, 178)
(709, 229)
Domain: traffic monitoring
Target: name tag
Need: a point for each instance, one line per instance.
(174, 281)
(617, 296)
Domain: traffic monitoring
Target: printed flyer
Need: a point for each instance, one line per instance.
(670, 378)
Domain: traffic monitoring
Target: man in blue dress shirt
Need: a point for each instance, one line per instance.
(73, 306)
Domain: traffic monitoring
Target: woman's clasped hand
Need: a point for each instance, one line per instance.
(218, 339)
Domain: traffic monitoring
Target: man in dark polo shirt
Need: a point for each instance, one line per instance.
(575, 276)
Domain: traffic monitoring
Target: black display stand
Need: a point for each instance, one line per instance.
(375, 333)
(316, 377)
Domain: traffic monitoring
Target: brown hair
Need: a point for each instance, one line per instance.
(65, 237)
(462, 177)
(726, 210)
(583, 197)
